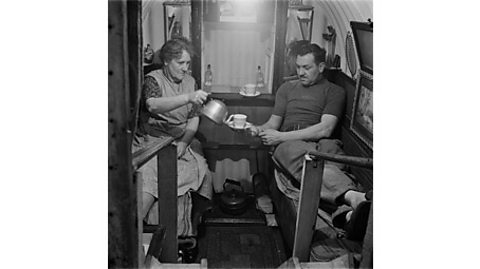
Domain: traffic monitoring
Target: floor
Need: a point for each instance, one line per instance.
(239, 241)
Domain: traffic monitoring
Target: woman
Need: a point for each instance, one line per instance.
(169, 107)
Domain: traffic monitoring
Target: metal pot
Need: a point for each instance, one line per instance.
(234, 200)
(216, 111)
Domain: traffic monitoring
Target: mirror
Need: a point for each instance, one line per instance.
(177, 19)
(299, 27)
(238, 36)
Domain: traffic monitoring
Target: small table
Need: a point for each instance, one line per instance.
(221, 142)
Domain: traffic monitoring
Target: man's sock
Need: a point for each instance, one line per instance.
(348, 215)
(354, 198)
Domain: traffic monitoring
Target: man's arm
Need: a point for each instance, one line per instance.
(190, 130)
(273, 122)
(315, 132)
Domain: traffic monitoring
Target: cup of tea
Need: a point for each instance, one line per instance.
(250, 89)
(238, 121)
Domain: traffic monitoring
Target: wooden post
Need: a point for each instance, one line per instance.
(167, 201)
(280, 34)
(122, 197)
(367, 248)
(137, 177)
(312, 177)
(197, 18)
(135, 57)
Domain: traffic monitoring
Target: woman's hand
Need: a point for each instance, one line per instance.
(181, 149)
(271, 137)
(197, 97)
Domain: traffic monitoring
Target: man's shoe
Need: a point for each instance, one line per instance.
(357, 225)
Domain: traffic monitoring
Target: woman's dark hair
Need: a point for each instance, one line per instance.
(173, 49)
(303, 47)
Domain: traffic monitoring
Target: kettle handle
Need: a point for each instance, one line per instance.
(233, 182)
(210, 98)
(229, 119)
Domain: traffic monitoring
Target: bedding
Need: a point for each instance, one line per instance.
(326, 244)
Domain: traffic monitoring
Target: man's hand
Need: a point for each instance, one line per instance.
(181, 149)
(271, 137)
(254, 130)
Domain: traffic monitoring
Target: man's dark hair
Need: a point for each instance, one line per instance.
(173, 49)
(303, 47)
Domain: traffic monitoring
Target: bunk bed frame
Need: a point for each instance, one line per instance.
(298, 226)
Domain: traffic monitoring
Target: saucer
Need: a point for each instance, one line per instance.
(247, 125)
(242, 93)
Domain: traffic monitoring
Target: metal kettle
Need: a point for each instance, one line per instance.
(216, 111)
(233, 199)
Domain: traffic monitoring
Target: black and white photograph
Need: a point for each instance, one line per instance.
(239, 134)
(234, 137)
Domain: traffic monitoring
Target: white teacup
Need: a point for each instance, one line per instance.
(239, 120)
(250, 89)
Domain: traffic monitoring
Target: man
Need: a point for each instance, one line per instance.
(304, 117)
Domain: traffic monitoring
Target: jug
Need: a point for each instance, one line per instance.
(216, 111)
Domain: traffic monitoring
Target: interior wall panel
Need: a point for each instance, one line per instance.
(338, 14)
(234, 55)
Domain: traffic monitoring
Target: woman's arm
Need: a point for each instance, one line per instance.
(157, 105)
(190, 130)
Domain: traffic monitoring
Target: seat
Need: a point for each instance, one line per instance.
(299, 236)
(167, 190)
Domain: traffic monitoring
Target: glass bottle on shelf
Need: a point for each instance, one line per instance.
(177, 30)
(260, 79)
(208, 79)
(148, 55)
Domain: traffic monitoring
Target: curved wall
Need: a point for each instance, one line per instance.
(338, 14)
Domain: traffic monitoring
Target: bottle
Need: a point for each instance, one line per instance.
(177, 30)
(260, 80)
(208, 79)
(148, 54)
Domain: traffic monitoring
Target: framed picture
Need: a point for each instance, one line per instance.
(362, 113)
(177, 19)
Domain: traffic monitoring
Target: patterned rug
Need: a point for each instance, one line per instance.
(241, 246)
(239, 241)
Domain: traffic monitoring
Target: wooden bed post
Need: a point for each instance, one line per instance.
(279, 52)
(167, 201)
(197, 18)
(311, 184)
(123, 231)
(367, 248)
